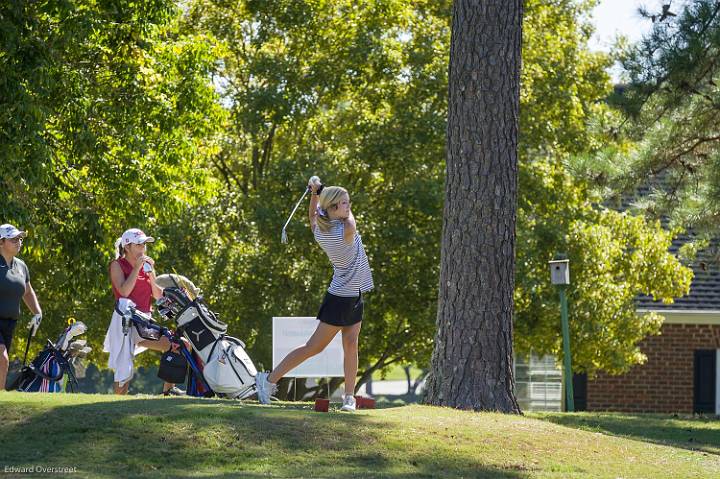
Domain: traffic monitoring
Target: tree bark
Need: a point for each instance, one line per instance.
(472, 362)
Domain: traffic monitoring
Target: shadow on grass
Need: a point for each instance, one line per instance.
(181, 437)
(386, 401)
(696, 434)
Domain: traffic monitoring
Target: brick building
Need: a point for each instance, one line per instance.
(682, 372)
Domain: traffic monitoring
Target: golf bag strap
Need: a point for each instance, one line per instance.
(67, 367)
(237, 374)
(63, 367)
(212, 350)
(37, 372)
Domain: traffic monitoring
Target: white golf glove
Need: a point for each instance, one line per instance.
(314, 181)
(34, 323)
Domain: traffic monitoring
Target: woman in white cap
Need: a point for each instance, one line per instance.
(335, 230)
(133, 278)
(14, 286)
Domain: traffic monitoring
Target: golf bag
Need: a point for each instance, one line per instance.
(147, 328)
(226, 367)
(46, 372)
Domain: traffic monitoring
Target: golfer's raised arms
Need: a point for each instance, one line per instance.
(315, 187)
(350, 228)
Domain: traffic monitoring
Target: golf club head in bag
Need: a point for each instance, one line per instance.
(174, 280)
(78, 349)
(76, 345)
(173, 301)
(75, 329)
(81, 354)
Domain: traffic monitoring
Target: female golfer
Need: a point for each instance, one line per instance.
(133, 278)
(14, 286)
(334, 228)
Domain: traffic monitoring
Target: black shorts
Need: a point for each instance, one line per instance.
(7, 326)
(341, 311)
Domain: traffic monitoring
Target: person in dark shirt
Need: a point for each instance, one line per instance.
(14, 286)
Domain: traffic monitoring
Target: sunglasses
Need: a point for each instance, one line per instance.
(16, 240)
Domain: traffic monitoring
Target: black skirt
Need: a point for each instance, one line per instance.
(341, 311)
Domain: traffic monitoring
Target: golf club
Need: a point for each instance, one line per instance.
(75, 329)
(283, 236)
(82, 353)
(77, 345)
(27, 346)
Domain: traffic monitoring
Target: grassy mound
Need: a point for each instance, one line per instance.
(107, 436)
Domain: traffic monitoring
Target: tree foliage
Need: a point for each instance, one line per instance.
(108, 114)
(672, 108)
(352, 91)
(564, 119)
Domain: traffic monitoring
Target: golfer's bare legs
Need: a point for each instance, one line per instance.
(162, 345)
(350, 335)
(317, 342)
(121, 390)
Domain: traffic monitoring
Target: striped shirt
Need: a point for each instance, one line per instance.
(351, 269)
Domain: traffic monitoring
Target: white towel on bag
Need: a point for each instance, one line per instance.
(122, 348)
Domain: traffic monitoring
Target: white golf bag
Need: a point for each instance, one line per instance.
(228, 370)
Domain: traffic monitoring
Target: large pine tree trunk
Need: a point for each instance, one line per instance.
(472, 361)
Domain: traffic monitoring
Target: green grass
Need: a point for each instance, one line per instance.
(697, 434)
(107, 436)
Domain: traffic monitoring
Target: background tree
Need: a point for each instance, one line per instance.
(108, 115)
(672, 112)
(567, 131)
(472, 363)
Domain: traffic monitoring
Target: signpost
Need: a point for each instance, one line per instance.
(560, 276)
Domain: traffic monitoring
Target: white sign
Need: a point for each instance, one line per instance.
(291, 332)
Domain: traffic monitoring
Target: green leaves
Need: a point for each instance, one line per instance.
(566, 147)
(671, 103)
(351, 91)
(111, 116)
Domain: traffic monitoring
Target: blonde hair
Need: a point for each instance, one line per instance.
(329, 198)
